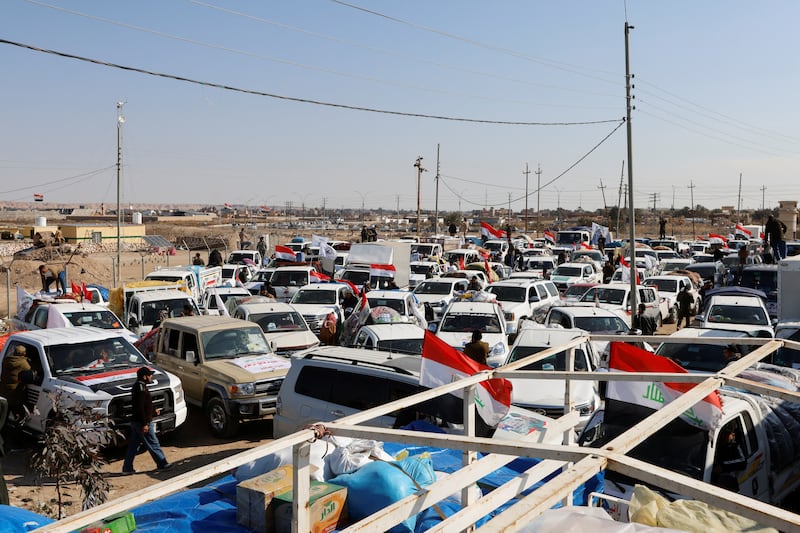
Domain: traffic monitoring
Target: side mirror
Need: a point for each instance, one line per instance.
(432, 327)
(133, 323)
(191, 357)
(273, 345)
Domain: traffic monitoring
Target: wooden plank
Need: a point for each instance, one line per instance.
(601, 376)
(763, 388)
(301, 510)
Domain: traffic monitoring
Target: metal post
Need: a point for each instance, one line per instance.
(120, 122)
(420, 170)
(436, 214)
(526, 197)
(628, 98)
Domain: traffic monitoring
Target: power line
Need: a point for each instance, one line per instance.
(300, 100)
(77, 179)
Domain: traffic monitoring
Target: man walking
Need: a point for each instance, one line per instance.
(142, 429)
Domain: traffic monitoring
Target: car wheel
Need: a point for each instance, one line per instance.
(220, 422)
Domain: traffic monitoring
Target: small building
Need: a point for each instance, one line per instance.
(102, 233)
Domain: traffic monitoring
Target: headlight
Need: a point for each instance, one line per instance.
(509, 316)
(179, 394)
(242, 389)
(585, 409)
(497, 349)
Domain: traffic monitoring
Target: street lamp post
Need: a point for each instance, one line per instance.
(420, 170)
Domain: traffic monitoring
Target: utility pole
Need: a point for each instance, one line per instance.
(436, 217)
(603, 192)
(763, 188)
(619, 196)
(509, 208)
(691, 192)
(629, 106)
(526, 172)
(420, 170)
(739, 201)
(120, 122)
(538, 197)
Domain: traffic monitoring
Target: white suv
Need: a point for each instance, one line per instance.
(330, 382)
(546, 396)
(523, 299)
(461, 318)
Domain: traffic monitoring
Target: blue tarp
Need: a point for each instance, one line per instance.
(15, 519)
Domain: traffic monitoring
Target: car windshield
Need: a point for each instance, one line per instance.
(153, 311)
(433, 287)
(494, 246)
(568, 271)
(576, 291)
(278, 322)
(554, 362)
(100, 319)
(261, 275)
(604, 295)
(91, 357)
(230, 343)
(397, 304)
(763, 280)
(289, 278)
(538, 265)
(597, 324)
(404, 346)
(508, 294)
(568, 237)
(238, 258)
(421, 269)
(457, 322)
(663, 285)
(593, 255)
(356, 277)
(737, 314)
(314, 297)
(697, 357)
(675, 265)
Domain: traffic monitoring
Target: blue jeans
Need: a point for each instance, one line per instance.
(778, 250)
(150, 441)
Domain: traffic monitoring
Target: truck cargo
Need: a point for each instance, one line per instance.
(141, 304)
(195, 279)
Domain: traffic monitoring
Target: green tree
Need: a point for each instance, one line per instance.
(72, 451)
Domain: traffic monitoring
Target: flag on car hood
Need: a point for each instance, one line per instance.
(318, 277)
(550, 236)
(491, 233)
(284, 253)
(654, 395)
(442, 364)
(382, 271)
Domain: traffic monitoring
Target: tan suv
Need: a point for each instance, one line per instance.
(226, 367)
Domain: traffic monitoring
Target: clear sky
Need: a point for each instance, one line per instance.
(716, 88)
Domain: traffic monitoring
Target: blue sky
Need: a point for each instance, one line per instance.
(715, 94)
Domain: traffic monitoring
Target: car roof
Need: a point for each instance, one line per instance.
(398, 330)
(50, 336)
(544, 336)
(471, 307)
(267, 307)
(708, 332)
(206, 322)
(722, 299)
(72, 305)
(324, 287)
(585, 310)
(575, 264)
(514, 282)
(349, 357)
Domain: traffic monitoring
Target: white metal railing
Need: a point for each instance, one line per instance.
(575, 464)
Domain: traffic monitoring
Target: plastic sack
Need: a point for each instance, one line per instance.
(350, 457)
(378, 485)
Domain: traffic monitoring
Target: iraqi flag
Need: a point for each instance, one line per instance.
(318, 277)
(38, 197)
(382, 271)
(443, 364)
(550, 237)
(626, 270)
(284, 253)
(491, 233)
(654, 395)
(720, 237)
(741, 230)
(461, 265)
(585, 246)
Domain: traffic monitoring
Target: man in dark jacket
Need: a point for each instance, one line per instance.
(16, 373)
(685, 301)
(142, 428)
(477, 350)
(644, 322)
(214, 258)
(773, 231)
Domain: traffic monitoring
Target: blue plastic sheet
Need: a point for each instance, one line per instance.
(15, 519)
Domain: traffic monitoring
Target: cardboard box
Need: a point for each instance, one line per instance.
(253, 498)
(327, 502)
(123, 522)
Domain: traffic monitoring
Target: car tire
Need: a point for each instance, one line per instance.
(220, 423)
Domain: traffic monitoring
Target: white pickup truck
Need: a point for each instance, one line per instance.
(94, 367)
(766, 432)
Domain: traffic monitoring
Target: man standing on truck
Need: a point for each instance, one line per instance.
(773, 231)
(143, 430)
